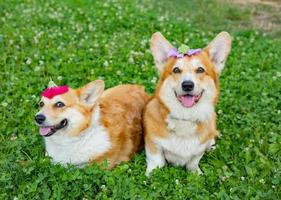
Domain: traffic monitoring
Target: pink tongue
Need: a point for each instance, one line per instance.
(44, 130)
(187, 101)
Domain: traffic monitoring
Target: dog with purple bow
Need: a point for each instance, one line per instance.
(180, 120)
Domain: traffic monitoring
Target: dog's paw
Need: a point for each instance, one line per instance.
(148, 173)
(199, 172)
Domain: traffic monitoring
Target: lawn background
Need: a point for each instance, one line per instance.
(74, 42)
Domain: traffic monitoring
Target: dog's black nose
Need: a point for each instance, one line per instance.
(40, 118)
(187, 86)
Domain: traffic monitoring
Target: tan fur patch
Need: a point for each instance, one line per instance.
(121, 114)
(207, 130)
(71, 99)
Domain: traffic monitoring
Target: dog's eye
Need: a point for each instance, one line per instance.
(176, 70)
(41, 104)
(200, 70)
(59, 104)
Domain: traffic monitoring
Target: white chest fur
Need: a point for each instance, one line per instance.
(78, 150)
(183, 144)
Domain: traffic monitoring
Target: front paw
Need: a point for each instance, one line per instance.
(148, 172)
(199, 171)
(196, 170)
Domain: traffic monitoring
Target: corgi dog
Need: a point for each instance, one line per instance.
(89, 124)
(180, 119)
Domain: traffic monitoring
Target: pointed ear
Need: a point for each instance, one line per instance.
(219, 49)
(90, 93)
(160, 47)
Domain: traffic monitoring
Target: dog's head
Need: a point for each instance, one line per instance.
(191, 78)
(68, 111)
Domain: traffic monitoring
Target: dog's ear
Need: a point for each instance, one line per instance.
(219, 49)
(160, 47)
(90, 93)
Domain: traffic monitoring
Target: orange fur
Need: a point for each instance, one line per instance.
(121, 113)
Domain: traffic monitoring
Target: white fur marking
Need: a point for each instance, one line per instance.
(78, 150)
(183, 146)
(153, 160)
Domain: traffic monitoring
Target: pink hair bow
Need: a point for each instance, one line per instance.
(54, 91)
(176, 54)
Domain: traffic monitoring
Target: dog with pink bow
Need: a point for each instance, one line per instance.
(180, 119)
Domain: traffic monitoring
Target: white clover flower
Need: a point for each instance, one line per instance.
(119, 72)
(161, 18)
(4, 104)
(242, 178)
(59, 78)
(262, 181)
(131, 60)
(153, 80)
(13, 137)
(36, 40)
(91, 27)
(106, 64)
(143, 42)
(28, 61)
(37, 68)
(177, 181)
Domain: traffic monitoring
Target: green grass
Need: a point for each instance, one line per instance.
(74, 42)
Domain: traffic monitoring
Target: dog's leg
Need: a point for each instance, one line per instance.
(193, 164)
(154, 158)
(211, 146)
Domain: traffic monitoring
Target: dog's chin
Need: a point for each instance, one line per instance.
(189, 100)
(47, 131)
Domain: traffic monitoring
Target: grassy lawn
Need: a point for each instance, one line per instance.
(74, 42)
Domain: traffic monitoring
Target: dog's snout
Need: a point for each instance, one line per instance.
(40, 118)
(187, 86)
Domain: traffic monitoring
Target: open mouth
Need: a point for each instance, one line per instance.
(47, 131)
(189, 100)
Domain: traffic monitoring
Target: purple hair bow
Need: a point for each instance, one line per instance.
(176, 54)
